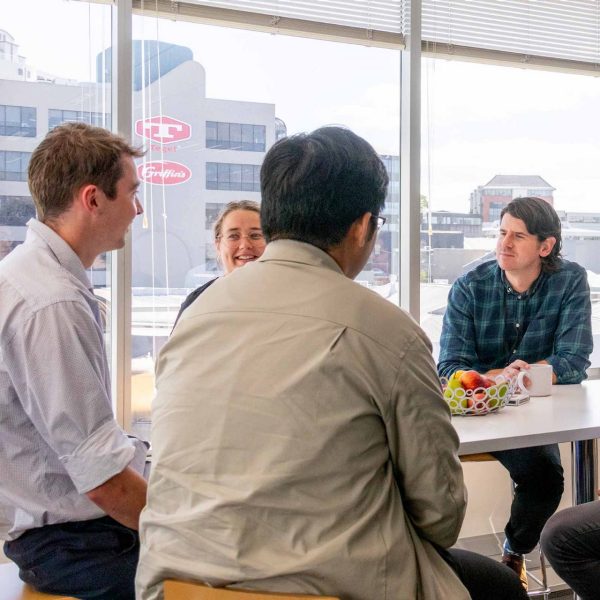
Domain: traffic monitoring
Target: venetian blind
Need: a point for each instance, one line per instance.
(560, 33)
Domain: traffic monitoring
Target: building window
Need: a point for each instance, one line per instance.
(539, 192)
(497, 192)
(15, 211)
(57, 116)
(235, 136)
(13, 165)
(18, 120)
(233, 177)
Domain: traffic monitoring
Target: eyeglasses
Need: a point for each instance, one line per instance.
(234, 238)
(379, 221)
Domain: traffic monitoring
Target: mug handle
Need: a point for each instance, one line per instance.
(521, 381)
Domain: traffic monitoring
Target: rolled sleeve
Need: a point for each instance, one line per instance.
(67, 398)
(104, 454)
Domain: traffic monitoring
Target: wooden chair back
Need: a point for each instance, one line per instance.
(12, 588)
(183, 590)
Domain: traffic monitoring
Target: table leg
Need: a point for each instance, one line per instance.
(585, 481)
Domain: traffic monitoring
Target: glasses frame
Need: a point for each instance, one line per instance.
(379, 221)
(224, 239)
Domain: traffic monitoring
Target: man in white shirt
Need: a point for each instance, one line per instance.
(301, 441)
(71, 490)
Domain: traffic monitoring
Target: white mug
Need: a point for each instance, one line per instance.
(539, 380)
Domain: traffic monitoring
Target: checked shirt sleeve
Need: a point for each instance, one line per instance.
(573, 338)
(457, 342)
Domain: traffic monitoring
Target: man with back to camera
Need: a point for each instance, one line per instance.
(301, 442)
(71, 492)
(528, 306)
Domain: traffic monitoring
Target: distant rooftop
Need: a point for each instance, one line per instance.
(530, 181)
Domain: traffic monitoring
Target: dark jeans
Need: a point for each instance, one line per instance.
(91, 560)
(538, 476)
(486, 579)
(571, 542)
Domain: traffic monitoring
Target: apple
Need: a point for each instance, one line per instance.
(487, 382)
(471, 380)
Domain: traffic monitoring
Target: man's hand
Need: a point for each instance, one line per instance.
(512, 370)
(122, 497)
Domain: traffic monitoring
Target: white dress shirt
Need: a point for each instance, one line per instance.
(58, 435)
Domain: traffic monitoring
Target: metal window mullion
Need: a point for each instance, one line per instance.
(410, 165)
(121, 105)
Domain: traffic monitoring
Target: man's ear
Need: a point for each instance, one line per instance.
(88, 197)
(362, 229)
(546, 246)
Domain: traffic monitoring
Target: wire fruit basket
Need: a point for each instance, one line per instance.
(480, 400)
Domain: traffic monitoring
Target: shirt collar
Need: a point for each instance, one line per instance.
(64, 254)
(529, 292)
(300, 252)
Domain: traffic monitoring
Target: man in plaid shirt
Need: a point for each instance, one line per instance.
(529, 306)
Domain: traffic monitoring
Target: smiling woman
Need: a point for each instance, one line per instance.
(238, 239)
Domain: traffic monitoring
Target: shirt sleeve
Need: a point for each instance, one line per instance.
(423, 446)
(573, 341)
(457, 341)
(58, 368)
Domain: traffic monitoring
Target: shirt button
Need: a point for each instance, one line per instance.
(519, 297)
(517, 325)
(514, 351)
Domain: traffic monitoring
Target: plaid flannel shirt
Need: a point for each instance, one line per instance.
(488, 325)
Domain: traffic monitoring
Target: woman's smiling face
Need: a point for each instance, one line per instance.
(241, 240)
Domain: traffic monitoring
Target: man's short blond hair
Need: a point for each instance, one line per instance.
(70, 156)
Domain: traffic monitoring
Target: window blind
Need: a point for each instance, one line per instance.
(368, 22)
(557, 34)
(561, 33)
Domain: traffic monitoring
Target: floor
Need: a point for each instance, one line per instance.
(491, 545)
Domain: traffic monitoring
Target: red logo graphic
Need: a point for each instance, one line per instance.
(163, 129)
(163, 172)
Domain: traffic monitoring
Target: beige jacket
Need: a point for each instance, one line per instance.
(301, 442)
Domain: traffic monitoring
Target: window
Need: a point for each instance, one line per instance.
(15, 211)
(232, 177)
(58, 116)
(497, 192)
(537, 135)
(234, 101)
(13, 165)
(18, 120)
(235, 136)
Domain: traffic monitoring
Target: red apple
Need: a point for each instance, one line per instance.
(470, 380)
(487, 382)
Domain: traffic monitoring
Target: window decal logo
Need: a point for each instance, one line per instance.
(163, 129)
(163, 172)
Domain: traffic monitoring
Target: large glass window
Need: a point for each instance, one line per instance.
(48, 75)
(218, 99)
(484, 144)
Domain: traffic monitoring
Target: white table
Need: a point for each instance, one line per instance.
(570, 414)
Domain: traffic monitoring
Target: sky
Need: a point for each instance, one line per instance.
(478, 120)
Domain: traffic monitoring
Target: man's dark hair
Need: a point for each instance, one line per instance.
(541, 220)
(315, 185)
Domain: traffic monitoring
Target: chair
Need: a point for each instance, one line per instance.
(544, 590)
(12, 588)
(183, 590)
